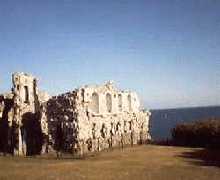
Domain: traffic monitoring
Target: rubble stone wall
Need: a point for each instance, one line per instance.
(61, 119)
(2, 106)
(19, 112)
(88, 119)
(93, 118)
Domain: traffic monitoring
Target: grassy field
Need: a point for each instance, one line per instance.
(147, 162)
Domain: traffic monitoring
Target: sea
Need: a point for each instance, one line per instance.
(162, 121)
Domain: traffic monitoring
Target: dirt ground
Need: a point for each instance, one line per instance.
(148, 162)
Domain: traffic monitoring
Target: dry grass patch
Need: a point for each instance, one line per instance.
(140, 162)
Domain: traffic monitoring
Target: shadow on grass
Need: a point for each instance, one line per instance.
(203, 157)
(63, 156)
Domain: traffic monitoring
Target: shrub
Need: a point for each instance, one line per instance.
(197, 134)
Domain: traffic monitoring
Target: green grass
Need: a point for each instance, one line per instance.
(140, 162)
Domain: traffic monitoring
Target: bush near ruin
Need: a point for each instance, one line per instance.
(198, 134)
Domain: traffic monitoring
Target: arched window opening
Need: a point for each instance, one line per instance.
(103, 131)
(26, 94)
(95, 103)
(118, 126)
(109, 102)
(129, 102)
(94, 130)
(120, 102)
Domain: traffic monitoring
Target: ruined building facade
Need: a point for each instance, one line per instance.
(88, 119)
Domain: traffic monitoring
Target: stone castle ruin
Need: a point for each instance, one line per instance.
(88, 119)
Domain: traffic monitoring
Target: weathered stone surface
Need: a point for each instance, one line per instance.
(93, 118)
(88, 119)
(20, 114)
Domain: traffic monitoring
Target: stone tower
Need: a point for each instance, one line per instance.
(25, 103)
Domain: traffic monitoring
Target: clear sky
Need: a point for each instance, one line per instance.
(167, 50)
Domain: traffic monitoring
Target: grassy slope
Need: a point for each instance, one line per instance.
(142, 162)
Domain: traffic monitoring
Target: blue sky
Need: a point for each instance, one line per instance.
(168, 51)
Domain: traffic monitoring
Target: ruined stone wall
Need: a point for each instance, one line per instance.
(61, 117)
(26, 107)
(26, 93)
(88, 119)
(20, 117)
(93, 118)
(2, 105)
(115, 123)
(6, 104)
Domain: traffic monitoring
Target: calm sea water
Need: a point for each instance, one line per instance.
(162, 121)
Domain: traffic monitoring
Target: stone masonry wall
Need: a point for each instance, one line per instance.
(20, 124)
(88, 119)
(92, 118)
(62, 127)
